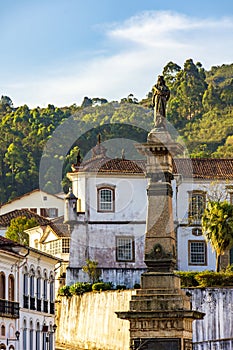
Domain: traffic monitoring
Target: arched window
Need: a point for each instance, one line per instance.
(51, 337)
(45, 287)
(32, 283)
(31, 343)
(38, 291)
(106, 198)
(32, 290)
(11, 288)
(2, 347)
(2, 285)
(25, 288)
(3, 330)
(24, 335)
(37, 336)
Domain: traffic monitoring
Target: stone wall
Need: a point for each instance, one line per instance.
(89, 322)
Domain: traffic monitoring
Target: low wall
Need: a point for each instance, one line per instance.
(90, 322)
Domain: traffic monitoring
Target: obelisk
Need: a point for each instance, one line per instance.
(160, 313)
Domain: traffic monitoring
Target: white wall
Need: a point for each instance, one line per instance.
(35, 199)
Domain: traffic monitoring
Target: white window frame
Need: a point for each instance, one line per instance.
(125, 248)
(106, 205)
(194, 253)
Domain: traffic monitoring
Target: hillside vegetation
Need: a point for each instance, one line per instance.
(200, 109)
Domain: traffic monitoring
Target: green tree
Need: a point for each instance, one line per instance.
(17, 227)
(217, 227)
(91, 268)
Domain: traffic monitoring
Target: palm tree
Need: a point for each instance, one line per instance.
(217, 227)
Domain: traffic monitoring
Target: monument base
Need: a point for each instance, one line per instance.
(160, 314)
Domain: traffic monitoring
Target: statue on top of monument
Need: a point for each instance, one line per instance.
(160, 96)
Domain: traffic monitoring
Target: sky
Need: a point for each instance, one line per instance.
(58, 51)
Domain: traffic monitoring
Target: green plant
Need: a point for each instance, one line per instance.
(91, 268)
(102, 286)
(121, 287)
(137, 286)
(65, 291)
(188, 278)
(80, 287)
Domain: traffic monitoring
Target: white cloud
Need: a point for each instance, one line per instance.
(143, 45)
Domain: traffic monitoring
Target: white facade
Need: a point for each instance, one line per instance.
(32, 276)
(96, 232)
(39, 202)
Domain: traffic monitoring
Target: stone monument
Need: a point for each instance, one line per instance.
(160, 313)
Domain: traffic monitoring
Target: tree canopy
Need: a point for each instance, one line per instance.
(15, 231)
(217, 227)
(200, 109)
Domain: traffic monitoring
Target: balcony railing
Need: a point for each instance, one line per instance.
(9, 308)
(32, 303)
(38, 305)
(26, 301)
(45, 308)
(52, 308)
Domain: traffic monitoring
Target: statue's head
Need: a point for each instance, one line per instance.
(161, 79)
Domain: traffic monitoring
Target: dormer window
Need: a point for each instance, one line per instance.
(105, 199)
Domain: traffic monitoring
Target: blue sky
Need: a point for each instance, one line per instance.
(58, 51)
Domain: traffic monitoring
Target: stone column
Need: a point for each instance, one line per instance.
(160, 313)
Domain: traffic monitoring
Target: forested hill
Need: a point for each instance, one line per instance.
(200, 109)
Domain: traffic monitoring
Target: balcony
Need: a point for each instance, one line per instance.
(38, 305)
(45, 309)
(32, 303)
(9, 309)
(26, 301)
(52, 308)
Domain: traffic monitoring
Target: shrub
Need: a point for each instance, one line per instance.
(120, 287)
(137, 286)
(101, 286)
(64, 291)
(214, 279)
(80, 287)
(188, 278)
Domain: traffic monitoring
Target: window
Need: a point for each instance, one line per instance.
(197, 200)
(11, 288)
(124, 249)
(106, 197)
(49, 212)
(2, 285)
(53, 247)
(34, 210)
(197, 253)
(65, 245)
(24, 335)
(3, 330)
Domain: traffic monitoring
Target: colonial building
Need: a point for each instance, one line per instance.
(27, 298)
(37, 201)
(49, 236)
(106, 210)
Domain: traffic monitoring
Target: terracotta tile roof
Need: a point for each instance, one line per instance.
(5, 219)
(200, 168)
(58, 226)
(101, 164)
(7, 242)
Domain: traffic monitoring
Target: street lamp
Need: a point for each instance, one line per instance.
(17, 334)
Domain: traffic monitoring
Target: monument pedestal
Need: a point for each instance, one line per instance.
(160, 313)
